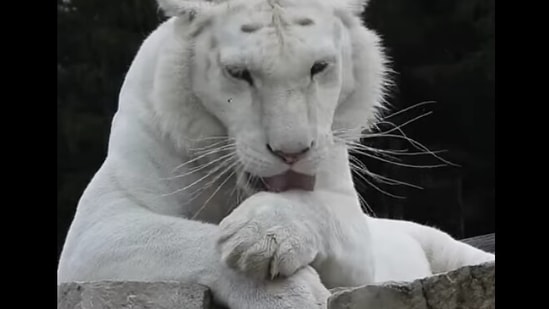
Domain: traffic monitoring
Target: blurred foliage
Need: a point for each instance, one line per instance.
(97, 40)
(442, 50)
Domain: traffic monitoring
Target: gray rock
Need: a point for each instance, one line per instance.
(134, 295)
(468, 287)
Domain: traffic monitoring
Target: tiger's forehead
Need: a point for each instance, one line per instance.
(260, 32)
(253, 15)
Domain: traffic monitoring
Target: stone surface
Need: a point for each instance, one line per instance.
(134, 295)
(471, 287)
(468, 287)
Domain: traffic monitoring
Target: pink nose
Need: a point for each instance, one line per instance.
(289, 158)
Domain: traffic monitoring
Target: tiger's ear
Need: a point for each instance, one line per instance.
(356, 7)
(188, 8)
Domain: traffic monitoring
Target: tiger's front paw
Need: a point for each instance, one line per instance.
(264, 238)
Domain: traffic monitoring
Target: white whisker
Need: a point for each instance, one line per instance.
(207, 147)
(211, 152)
(374, 153)
(378, 188)
(399, 127)
(397, 163)
(396, 152)
(200, 167)
(214, 170)
(365, 206)
(416, 145)
(358, 166)
(407, 109)
(230, 167)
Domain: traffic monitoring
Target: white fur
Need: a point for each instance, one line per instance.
(133, 221)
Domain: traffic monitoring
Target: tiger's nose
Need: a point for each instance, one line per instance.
(289, 157)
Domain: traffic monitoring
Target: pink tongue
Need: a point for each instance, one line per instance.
(289, 180)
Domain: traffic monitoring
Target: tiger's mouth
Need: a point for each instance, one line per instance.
(289, 180)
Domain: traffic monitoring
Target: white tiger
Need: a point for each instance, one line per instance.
(245, 99)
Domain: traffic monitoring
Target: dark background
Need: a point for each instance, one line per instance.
(442, 51)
